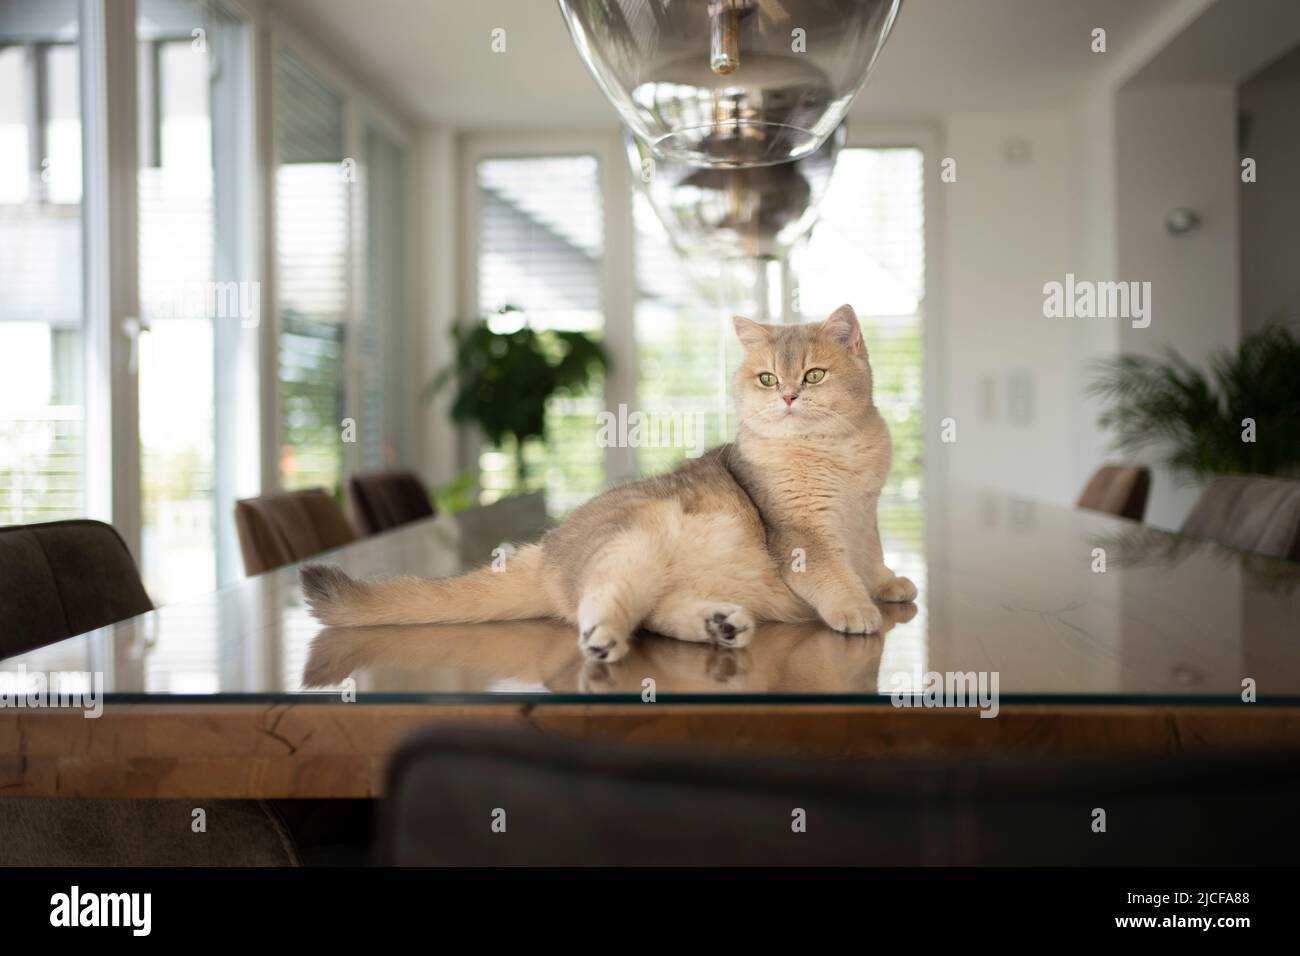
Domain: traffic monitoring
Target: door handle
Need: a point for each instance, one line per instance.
(133, 327)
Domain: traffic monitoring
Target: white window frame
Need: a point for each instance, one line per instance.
(238, 365)
(113, 468)
(111, 264)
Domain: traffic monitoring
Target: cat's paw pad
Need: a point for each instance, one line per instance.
(599, 642)
(728, 625)
(897, 590)
(854, 618)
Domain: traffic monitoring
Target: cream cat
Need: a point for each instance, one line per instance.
(780, 525)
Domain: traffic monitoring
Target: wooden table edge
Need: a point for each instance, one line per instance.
(301, 750)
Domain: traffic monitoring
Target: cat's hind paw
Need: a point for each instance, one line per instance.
(703, 621)
(729, 625)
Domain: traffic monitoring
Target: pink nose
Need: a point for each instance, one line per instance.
(789, 399)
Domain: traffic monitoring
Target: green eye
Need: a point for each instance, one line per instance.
(766, 379)
(815, 375)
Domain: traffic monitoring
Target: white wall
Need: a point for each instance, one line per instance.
(1176, 147)
(1091, 199)
(1270, 241)
(1008, 231)
(1155, 130)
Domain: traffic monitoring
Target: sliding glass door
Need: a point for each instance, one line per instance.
(42, 329)
(140, 381)
(199, 308)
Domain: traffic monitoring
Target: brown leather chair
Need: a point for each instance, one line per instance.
(571, 802)
(1249, 513)
(1119, 490)
(276, 530)
(386, 499)
(64, 578)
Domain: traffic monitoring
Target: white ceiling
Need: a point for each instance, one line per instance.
(945, 56)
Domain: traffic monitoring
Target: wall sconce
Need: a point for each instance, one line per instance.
(1182, 221)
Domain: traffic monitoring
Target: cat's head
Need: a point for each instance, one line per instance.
(812, 379)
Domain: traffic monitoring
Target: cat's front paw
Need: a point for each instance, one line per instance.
(897, 590)
(853, 618)
(600, 642)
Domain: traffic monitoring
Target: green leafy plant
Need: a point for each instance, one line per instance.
(1196, 418)
(455, 495)
(503, 380)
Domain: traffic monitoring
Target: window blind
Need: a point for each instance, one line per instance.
(42, 422)
(312, 260)
(541, 241)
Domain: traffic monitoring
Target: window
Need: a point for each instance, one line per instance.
(67, 295)
(313, 259)
(683, 331)
(42, 339)
(868, 249)
(196, 301)
(541, 242)
(176, 358)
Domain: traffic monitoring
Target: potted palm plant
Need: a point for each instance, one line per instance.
(1200, 420)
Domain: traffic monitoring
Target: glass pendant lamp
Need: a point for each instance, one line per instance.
(754, 212)
(730, 83)
(745, 221)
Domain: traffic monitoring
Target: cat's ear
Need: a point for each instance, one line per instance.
(844, 329)
(749, 332)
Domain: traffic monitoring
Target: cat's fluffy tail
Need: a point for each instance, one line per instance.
(514, 593)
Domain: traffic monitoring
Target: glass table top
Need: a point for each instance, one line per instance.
(1046, 603)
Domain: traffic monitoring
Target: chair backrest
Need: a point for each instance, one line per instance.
(276, 530)
(572, 801)
(386, 499)
(1250, 513)
(62, 579)
(1119, 490)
